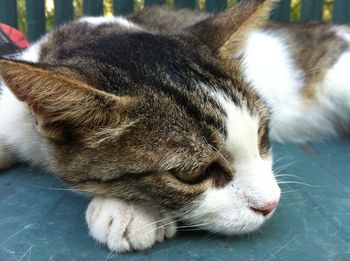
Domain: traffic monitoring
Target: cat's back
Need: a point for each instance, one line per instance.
(311, 49)
(314, 47)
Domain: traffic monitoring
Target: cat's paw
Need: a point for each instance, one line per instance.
(125, 227)
(7, 158)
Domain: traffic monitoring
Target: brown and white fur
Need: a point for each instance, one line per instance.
(142, 157)
(299, 68)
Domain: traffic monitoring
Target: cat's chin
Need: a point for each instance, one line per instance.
(230, 223)
(250, 224)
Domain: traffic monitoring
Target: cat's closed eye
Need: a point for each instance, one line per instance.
(217, 171)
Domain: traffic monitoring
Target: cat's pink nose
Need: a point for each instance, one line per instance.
(265, 210)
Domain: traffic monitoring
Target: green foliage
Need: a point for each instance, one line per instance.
(22, 24)
(295, 11)
(328, 10)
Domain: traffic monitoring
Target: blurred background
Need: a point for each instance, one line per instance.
(139, 4)
(35, 17)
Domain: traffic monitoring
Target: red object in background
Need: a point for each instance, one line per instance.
(15, 36)
(12, 41)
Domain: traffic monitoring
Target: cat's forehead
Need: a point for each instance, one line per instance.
(129, 63)
(119, 43)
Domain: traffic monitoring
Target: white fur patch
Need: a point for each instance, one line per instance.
(343, 32)
(270, 68)
(32, 53)
(125, 227)
(228, 210)
(109, 19)
(335, 93)
(17, 128)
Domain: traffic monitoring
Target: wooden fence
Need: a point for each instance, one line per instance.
(311, 10)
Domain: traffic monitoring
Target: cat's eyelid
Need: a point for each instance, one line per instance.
(224, 165)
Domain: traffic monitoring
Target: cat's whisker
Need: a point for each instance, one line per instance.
(180, 213)
(60, 189)
(151, 230)
(212, 235)
(299, 183)
(223, 158)
(282, 180)
(279, 159)
(215, 233)
(194, 225)
(218, 130)
(312, 71)
(150, 224)
(289, 191)
(287, 175)
(281, 168)
(190, 229)
(109, 255)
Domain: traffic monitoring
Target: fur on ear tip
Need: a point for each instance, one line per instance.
(4, 62)
(7, 64)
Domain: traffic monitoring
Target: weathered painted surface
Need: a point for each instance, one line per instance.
(41, 220)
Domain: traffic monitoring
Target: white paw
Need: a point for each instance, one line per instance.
(126, 227)
(7, 158)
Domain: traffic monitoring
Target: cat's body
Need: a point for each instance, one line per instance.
(300, 69)
(163, 124)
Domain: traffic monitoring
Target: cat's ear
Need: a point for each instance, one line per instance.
(225, 33)
(59, 101)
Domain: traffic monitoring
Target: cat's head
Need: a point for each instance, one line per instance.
(166, 121)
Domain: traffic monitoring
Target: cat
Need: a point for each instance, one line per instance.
(173, 126)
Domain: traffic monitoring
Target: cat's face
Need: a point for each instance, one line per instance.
(158, 154)
(183, 133)
(212, 169)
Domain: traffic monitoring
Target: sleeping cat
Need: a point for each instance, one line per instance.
(167, 127)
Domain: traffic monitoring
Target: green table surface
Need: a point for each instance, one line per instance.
(41, 220)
